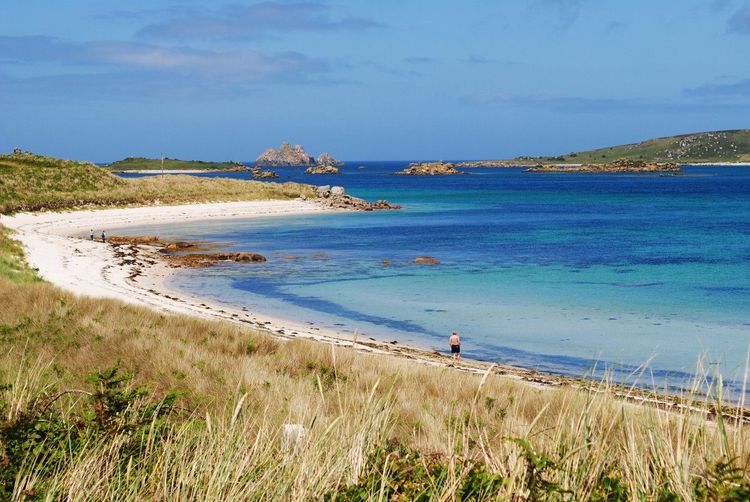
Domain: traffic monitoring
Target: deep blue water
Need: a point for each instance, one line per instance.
(548, 271)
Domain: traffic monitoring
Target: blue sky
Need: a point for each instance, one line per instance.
(387, 79)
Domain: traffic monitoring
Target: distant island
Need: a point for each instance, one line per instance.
(288, 155)
(714, 147)
(145, 164)
(617, 166)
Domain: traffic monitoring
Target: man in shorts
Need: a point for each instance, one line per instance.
(455, 343)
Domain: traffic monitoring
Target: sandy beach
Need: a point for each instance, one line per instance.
(55, 245)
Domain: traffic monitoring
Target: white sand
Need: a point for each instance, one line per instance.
(54, 246)
(136, 274)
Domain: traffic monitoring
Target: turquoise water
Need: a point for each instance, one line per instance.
(553, 272)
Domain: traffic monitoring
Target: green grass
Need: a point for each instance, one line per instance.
(31, 183)
(141, 163)
(718, 146)
(12, 263)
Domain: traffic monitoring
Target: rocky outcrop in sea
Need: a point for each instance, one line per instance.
(286, 155)
(260, 174)
(430, 169)
(617, 166)
(326, 159)
(323, 169)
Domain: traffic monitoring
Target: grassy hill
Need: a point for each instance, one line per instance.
(717, 146)
(31, 182)
(144, 164)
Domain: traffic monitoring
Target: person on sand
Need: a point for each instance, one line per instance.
(104, 236)
(455, 343)
(91, 234)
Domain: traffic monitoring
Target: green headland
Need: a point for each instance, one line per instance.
(715, 146)
(145, 164)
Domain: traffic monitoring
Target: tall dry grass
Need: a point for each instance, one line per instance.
(378, 426)
(100, 400)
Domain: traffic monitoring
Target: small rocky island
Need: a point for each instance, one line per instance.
(617, 166)
(288, 155)
(261, 174)
(439, 168)
(323, 169)
(326, 159)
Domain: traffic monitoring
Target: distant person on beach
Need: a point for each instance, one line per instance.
(455, 343)
(104, 236)
(91, 234)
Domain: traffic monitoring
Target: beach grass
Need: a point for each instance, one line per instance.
(31, 183)
(100, 400)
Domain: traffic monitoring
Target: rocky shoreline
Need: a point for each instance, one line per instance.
(617, 166)
(337, 198)
(430, 169)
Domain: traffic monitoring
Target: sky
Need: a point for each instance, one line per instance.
(366, 80)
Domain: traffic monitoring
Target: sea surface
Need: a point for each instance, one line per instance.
(642, 276)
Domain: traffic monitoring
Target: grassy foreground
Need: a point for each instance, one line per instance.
(141, 164)
(31, 183)
(105, 401)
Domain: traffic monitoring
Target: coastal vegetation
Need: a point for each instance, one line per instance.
(31, 182)
(101, 400)
(144, 164)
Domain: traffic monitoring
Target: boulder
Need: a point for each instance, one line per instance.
(337, 191)
(324, 191)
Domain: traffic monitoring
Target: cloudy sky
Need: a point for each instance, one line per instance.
(366, 80)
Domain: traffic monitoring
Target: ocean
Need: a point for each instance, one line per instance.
(640, 276)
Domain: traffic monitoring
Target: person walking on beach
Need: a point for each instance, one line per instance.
(104, 236)
(455, 343)
(91, 234)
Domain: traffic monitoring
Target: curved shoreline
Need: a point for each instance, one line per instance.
(137, 275)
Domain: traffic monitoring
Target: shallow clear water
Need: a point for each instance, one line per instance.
(547, 271)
